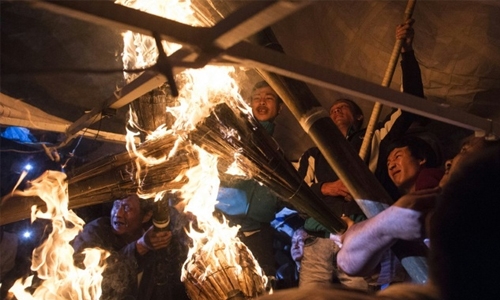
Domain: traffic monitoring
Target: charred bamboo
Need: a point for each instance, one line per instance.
(229, 131)
(111, 178)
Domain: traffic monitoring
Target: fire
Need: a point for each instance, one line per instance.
(53, 260)
(21, 177)
(218, 264)
(234, 169)
(140, 50)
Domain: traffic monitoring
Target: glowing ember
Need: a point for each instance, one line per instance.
(218, 264)
(53, 260)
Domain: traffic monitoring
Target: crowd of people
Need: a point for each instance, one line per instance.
(317, 173)
(431, 204)
(449, 205)
(463, 246)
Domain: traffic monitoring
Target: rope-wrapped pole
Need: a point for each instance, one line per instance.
(386, 81)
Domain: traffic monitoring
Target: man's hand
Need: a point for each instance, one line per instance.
(406, 33)
(408, 214)
(422, 201)
(336, 188)
(153, 240)
(347, 220)
(336, 237)
(364, 243)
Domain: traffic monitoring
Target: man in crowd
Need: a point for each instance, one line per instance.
(463, 247)
(266, 105)
(133, 247)
(413, 165)
(406, 219)
(348, 117)
(248, 203)
(287, 275)
(362, 248)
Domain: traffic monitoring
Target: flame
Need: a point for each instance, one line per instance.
(140, 50)
(53, 260)
(215, 249)
(21, 177)
(235, 169)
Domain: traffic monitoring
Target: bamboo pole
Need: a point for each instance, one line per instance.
(386, 82)
(339, 154)
(265, 160)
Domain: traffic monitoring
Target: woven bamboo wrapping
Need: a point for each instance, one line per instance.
(213, 276)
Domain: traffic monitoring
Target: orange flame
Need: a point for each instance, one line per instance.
(140, 50)
(53, 260)
(21, 177)
(200, 91)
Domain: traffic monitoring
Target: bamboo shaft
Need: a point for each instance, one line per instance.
(386, 82)
(339, 154)
(273, 169)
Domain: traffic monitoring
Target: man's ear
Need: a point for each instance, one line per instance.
(147, 216)
(280, 108)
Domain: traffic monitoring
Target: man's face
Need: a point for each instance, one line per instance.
(264, 102)
(403, 168)
(298, 239)
(126, 216)
(341, 114)
(471, 146)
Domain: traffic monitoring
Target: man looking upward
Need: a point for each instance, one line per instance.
(248, 203)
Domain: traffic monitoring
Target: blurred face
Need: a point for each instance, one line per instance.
(403, 168)
(471, 146)
(342, 115)
(298, 239)
(126, 217)
(264, 103)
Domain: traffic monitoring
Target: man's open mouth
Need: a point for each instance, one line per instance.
(119, 224)
(262, 110)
